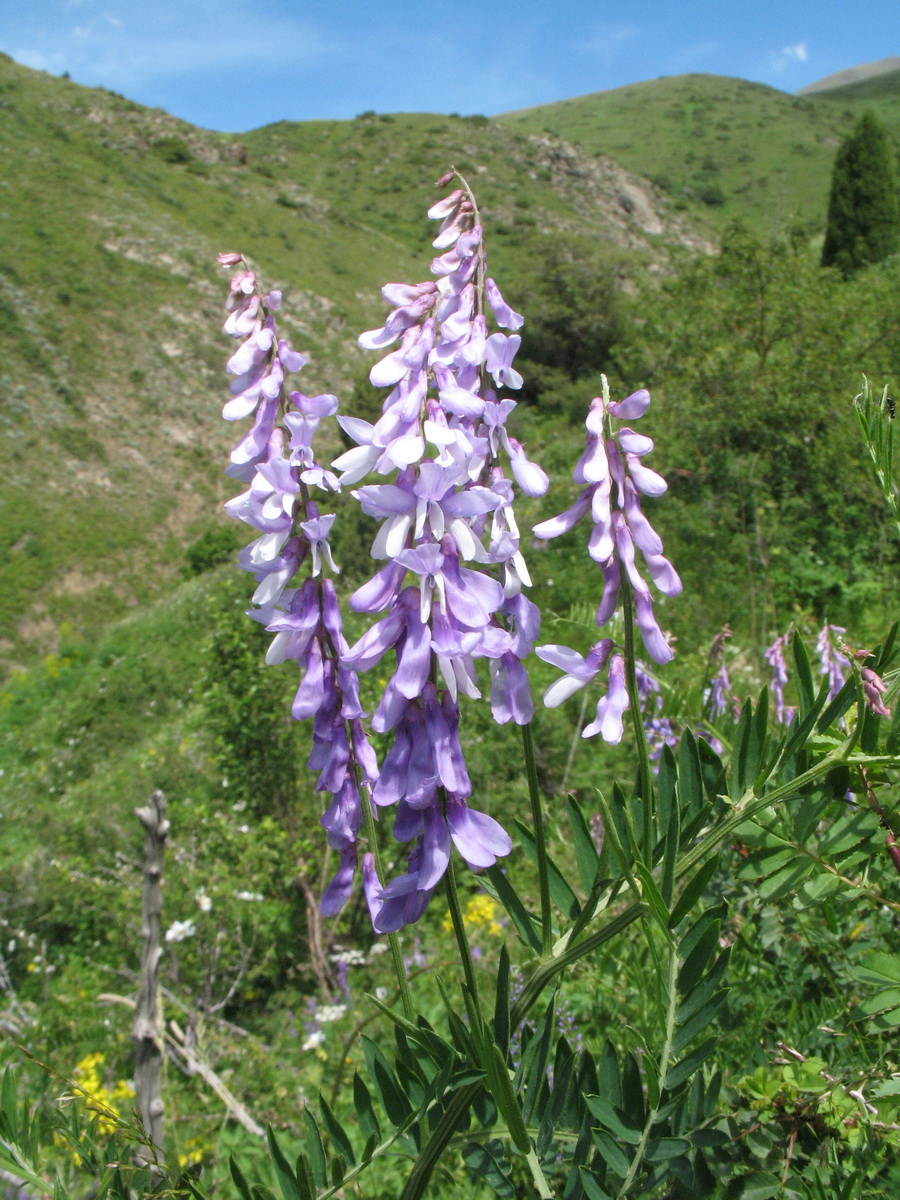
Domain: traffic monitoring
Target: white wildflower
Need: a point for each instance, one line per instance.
(179, 930)
(330, 1012)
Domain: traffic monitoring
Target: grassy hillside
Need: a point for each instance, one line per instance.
(110, 304)
(726, 147)
(881, 94)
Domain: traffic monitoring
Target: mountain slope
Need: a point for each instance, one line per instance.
(726, 147)
(110, 304)
(852, 75)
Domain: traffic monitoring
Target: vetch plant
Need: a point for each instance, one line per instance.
(504, 1082)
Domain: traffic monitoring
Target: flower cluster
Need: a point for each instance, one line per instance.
(102, 1102)
(447, 522)
(276, 458)
(614, 478)
(832, 661)
(774, 656)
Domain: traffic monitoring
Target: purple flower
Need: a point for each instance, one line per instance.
(774, 656)
(832, 662)
(608, 719)
(874, 688)
(447, 521)
(611, 467)
(579, 671)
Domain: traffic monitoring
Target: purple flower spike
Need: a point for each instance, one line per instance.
(616, 477)
(833, 662)
(448, 521)
(774, 656)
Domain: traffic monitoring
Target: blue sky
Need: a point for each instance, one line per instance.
(235, 64)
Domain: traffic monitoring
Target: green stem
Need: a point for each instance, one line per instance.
(750, 804)
(462, 1100)
(393, 940)
(645, 771)
(549, 970)
(664, 1060)
(537, 820)
(457, 1107)
(459, 929)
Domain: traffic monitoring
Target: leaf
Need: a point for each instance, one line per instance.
(683, 1070)
(805, 685)
(697, 945)
(632, 1089)
(391, 1095)
(690, 779)
(506, 1100)
(488, 1163)
(314, 1147)
(758, 741)
(661, 1149)
(501, 1001)
(339, 1169)
(788, 879)
(887, 1020)
(563, 896)
(611, 1152)
(609, 1080)
(236, 1174)
(666, 782)
(698, 1021)
(503, 891)
(739, 771)
(800, 730)
(336, 1133)
(305, 1179)
(533, 1067)
(711, 769)
(422, 1035)
(703, 990)
(759, 1185)
(670, 857)
(650, 892)
(838, 706)
(586, 857)
(362, 1102)
(8, 1106)
(592, 1188)
(692, 892)
(614, 1120)
(284, 1173)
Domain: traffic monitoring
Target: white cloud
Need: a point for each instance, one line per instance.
(608, 39)
(781, 59)
(152, 44)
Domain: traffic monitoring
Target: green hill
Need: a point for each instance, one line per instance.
(729, 148)
(110, 304)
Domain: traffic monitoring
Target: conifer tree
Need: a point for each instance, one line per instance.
(863, 211)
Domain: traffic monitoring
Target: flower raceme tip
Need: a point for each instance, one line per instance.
(613, 478)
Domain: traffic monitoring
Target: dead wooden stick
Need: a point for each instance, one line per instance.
(190, 1061)
(148, 1038)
